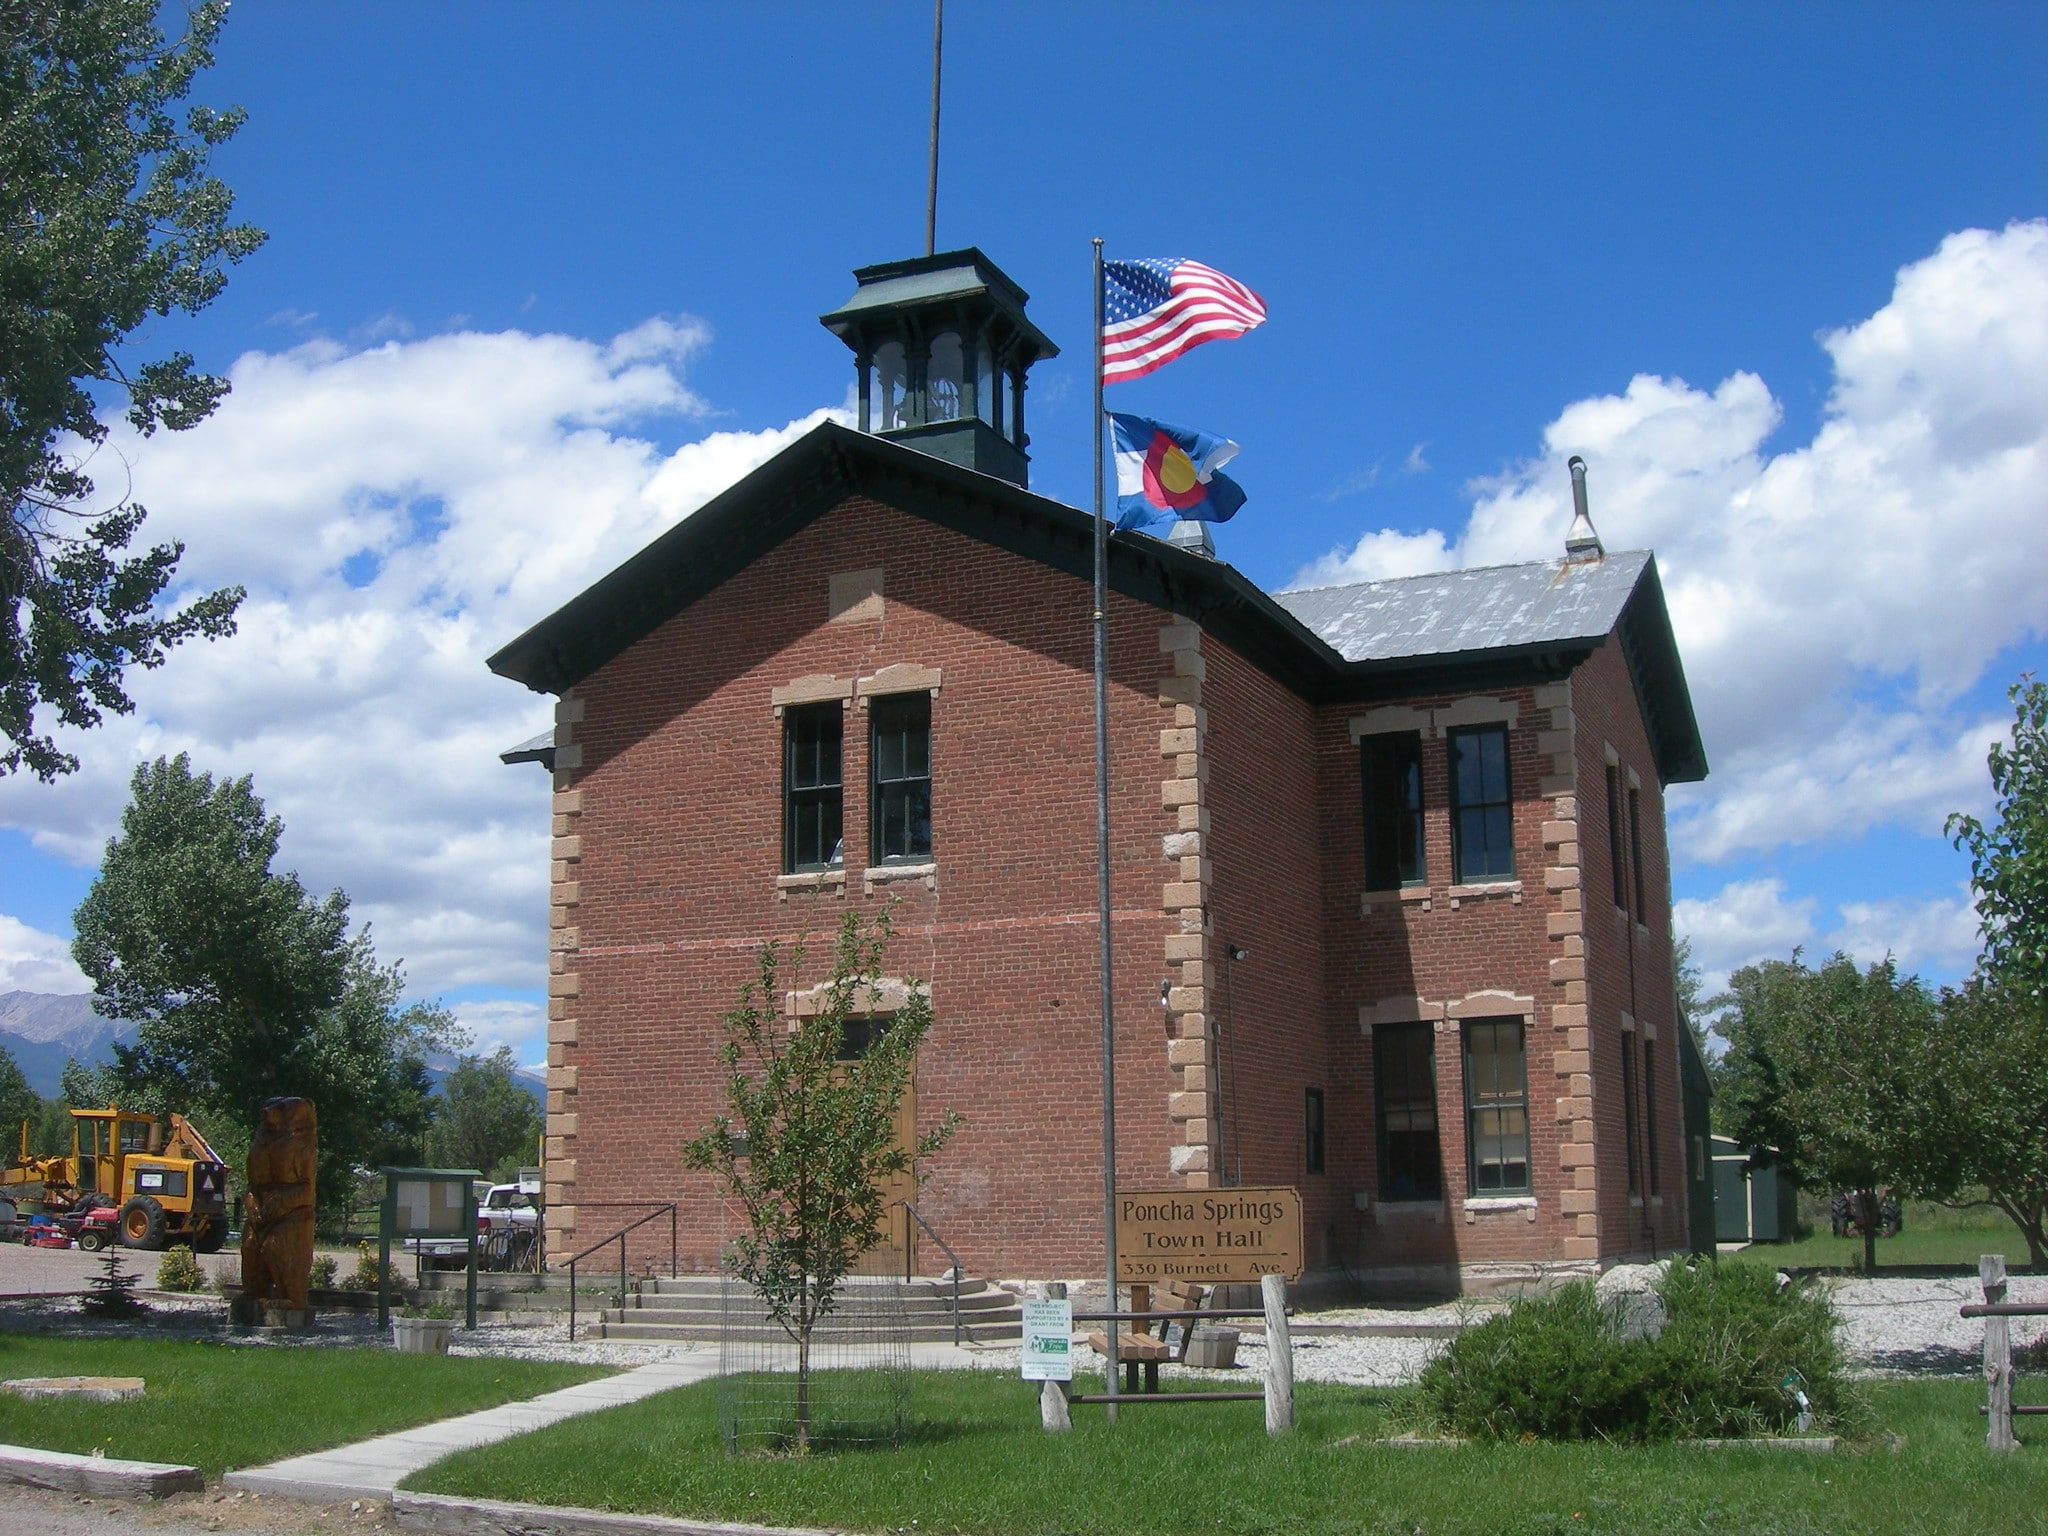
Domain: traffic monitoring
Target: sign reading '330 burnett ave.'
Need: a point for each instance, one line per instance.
(1215, 1236)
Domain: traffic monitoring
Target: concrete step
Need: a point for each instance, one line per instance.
(922, 1285)
(716, 1306)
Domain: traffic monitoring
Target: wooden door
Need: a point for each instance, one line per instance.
(898, 1246)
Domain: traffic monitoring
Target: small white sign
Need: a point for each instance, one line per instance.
(1048, 1341)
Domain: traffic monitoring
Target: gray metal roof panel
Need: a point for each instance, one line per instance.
(1483, 609)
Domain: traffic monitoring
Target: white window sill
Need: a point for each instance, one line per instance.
(1403, 895)
(1512, 889)
(810, 880)
(895, 874)
(1500, 1205)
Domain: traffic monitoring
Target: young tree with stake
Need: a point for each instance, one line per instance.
(809, 1136)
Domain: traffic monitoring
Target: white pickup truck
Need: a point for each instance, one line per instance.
(507, 1226)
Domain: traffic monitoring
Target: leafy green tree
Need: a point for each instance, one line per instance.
(1985, 1114)
(112, 217)
(484, 1119)
(1686, 980)
(811, 1132)
(1830, 1068)
(242, 985)
(2009, 859)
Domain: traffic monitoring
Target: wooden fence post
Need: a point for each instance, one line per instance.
(1053, 1412)
(1997, 1356)
(1279, 1357)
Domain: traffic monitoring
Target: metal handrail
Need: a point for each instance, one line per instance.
(919, 1219)
(619, 1237)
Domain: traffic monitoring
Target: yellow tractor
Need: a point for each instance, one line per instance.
(163, 1191)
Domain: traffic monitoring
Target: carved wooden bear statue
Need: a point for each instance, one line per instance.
(277, 1237)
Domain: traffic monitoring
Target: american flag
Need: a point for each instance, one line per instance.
(1153, 311)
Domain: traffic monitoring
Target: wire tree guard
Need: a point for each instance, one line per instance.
(860, 1380)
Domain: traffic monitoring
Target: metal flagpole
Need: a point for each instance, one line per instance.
(931, 199)
(1102, 862)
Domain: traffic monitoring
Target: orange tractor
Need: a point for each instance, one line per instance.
(164, 1191)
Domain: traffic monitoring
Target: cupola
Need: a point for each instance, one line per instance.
(942, 349)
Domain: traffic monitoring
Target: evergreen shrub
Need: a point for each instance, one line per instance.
(1564, 1366)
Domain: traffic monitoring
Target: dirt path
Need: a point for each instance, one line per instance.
(32, 1512)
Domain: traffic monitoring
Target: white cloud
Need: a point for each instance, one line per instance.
(397, 512)
(506, 1021)
(1836, 600)
(1745, 921)
(34, 961)
(1938, 934)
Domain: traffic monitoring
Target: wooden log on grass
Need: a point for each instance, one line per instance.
(1997, 1356)
(1279, 1357)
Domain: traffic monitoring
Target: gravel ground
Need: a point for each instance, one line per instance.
(1890, 1327)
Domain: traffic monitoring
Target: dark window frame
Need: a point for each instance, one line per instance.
(1616, 865)
(1630, 1099)
(1313, 1146)
(1485, 807)
(1431, 1165)
(1394, 843)
(1501, 1101)
(805, 786)
(1650, 1119)
(894, 800)
(1635, 846)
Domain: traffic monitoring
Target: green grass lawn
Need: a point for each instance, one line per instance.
(1931, 1234)
(218, 1407)
(979, 1463)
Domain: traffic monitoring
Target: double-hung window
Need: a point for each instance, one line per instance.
(1391, 771)
(813, 794)
(1650, 1114)
(1404, 1072)
(1482, 819)
(900, 763)
(1635, 846)
(1496, 1108)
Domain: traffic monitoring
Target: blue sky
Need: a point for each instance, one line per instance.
(541, 279)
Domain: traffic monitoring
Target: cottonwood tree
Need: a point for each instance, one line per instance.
(1831, 1068)
(809, 1136)
(484, 1119)
(112, 217)
(242, 986)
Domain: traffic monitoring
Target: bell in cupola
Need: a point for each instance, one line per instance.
(942, 348)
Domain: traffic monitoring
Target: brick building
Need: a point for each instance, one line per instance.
(1392, 912)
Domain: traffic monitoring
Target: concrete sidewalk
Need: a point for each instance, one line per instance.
(371, 1469)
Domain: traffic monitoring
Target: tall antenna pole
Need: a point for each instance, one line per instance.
(1102, 862)
(931, 197)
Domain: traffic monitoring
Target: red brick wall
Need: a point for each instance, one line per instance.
(1629, 965)
(1441, 954)
(1266, 843)
(680, 829)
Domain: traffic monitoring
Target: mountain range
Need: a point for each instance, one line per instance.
(42, 1030)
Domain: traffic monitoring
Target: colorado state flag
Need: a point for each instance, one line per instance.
(1165, 473)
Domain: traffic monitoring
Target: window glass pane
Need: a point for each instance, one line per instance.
(901, 808)
(1482, 826)
(1497, 1113)
(1404, 1065)
(1635, 845)
(812, 794)
(944, 378)
(988, 404)
(1391, 769)
(1628, 1108)
(889, 391)
(1312, 1129)
(1650, 1114)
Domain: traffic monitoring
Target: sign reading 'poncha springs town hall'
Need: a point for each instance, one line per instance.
(1211, 1235)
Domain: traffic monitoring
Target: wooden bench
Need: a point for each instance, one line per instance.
(1139, 1347)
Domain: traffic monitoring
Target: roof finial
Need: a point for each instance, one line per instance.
(1582, 545)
